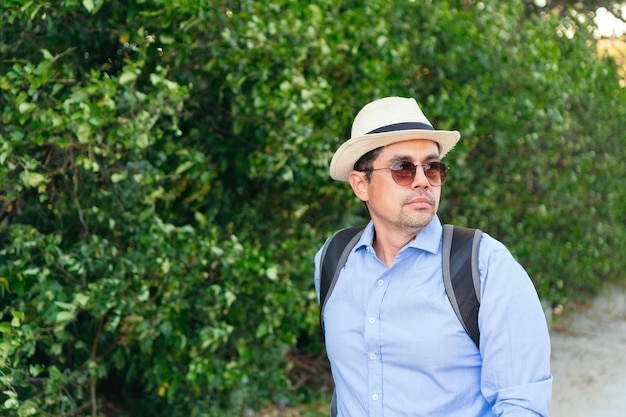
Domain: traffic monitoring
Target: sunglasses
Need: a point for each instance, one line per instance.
(403, 172)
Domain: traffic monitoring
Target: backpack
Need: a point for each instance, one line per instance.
(460, 270)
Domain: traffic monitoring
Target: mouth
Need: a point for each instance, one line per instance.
(420, 202)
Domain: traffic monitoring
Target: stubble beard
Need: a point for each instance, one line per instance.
(407, 221)
(411, 222)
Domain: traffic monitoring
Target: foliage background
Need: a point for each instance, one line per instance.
(164, 186)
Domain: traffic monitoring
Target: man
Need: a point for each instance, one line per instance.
(395, 345)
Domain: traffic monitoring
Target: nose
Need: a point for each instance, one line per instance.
(420, 180)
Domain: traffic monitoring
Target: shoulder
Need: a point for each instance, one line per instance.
(498, 266)
(495, 256)
(490, 245)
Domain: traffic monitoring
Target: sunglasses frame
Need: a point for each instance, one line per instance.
(396, 169)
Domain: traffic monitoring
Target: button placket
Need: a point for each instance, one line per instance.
(373, 343)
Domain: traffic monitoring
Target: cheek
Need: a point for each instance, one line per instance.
(437, 195)
(387, 197)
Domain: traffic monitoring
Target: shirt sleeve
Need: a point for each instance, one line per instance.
(515, 341)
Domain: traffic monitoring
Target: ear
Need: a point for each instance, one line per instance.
(359, 185)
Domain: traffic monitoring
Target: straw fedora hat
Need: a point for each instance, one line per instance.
(383, 122)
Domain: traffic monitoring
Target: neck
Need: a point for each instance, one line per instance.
(388, 244)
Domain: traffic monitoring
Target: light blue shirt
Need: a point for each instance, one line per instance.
(396, 347)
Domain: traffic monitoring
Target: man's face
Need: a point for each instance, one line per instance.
(393, 207)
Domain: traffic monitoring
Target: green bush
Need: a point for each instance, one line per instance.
(113, 301)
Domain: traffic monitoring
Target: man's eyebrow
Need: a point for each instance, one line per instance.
(401, 158)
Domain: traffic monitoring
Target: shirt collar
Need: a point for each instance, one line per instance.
(429, 239)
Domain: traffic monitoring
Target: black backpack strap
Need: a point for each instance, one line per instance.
(461, 277)
(334, 256)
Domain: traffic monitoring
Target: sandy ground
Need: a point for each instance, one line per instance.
(589, 358)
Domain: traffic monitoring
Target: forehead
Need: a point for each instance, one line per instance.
(413, 149)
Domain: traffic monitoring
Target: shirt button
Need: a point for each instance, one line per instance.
(372, 356)
(375, 397)
(372, 320)
(381, 282)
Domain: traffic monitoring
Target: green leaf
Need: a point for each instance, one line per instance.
(230, 298)
(32, 179)
(184, 167)
(65, 306)
(89, 5)
(119, 176)
(35, 370)
(10, 403)
(46, 54)
(81, 299)
(83, 133)
(272, 273)
(65, 317)
(25, 108)
(127, 78)
(5, 327)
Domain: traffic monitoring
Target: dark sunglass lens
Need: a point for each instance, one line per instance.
(403, 173)
(444, 172)
(436, 172)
